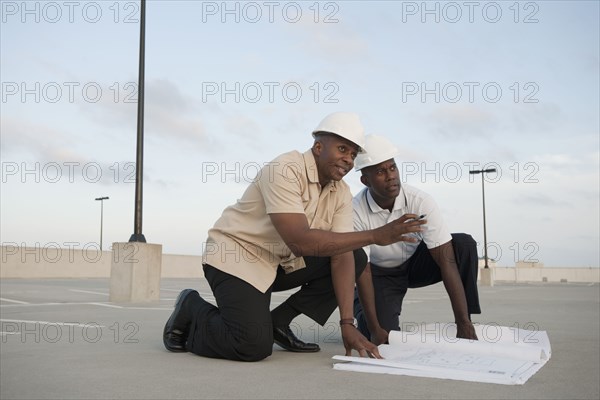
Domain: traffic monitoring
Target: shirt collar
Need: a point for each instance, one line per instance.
(400, 202)
(312, 172)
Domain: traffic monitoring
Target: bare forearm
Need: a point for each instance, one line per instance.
(342, 274)
(367, 298)
(444, 256)
(304, 241)
(320, 243)
(456, 294)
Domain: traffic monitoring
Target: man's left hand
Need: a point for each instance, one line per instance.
(379, 336)
(466, 330)
(354, 340)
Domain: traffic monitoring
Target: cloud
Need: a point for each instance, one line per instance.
(538, 200)
(168, 113)
(41, 149)
(334, 42)
(566, 163)
(241, 126)
(535, 119)
(41, 141)
(498, 125)
(460, 121)
(166, 95)
(169, 124)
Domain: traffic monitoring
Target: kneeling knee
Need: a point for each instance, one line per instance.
(255, 351)
(463, 239)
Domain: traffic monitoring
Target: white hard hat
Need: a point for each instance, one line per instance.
(377, 149)
(344, 124)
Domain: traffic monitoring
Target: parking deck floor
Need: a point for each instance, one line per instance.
(62, 339)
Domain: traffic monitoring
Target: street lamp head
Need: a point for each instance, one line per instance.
(101, 215)
(482, 171)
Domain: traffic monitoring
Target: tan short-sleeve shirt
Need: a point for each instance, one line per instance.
(244, 243)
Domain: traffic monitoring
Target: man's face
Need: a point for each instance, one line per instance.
(335, 157)
(383, 180)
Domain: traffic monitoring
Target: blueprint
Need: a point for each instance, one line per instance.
(502, 355)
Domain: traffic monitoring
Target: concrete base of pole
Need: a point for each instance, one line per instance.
(135, 272)
(486, 277)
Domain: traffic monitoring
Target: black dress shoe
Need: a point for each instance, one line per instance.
(178, 326)
(285, 338)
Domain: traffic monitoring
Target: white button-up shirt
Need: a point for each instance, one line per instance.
(368, 215)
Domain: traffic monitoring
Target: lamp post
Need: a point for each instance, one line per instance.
(483, 172)
(101, 216)
(137, 235)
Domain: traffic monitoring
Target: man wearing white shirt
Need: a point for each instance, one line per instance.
(435, 255)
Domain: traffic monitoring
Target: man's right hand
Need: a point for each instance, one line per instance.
(396, 231)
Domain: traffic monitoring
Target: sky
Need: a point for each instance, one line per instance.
(457, 86)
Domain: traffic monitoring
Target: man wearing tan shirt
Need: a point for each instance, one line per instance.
(291, 228)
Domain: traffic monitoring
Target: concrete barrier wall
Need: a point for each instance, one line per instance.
(546, 274)
(54, 262)
(180, 266)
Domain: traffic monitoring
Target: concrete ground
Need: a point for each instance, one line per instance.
(62, 339)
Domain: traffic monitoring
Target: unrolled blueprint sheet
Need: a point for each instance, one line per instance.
(502, 355)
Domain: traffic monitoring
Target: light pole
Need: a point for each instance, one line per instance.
(137, 235)
(101, 216)
(483, 172)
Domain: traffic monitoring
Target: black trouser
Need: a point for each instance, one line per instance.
(240, 328)
(390, 284)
